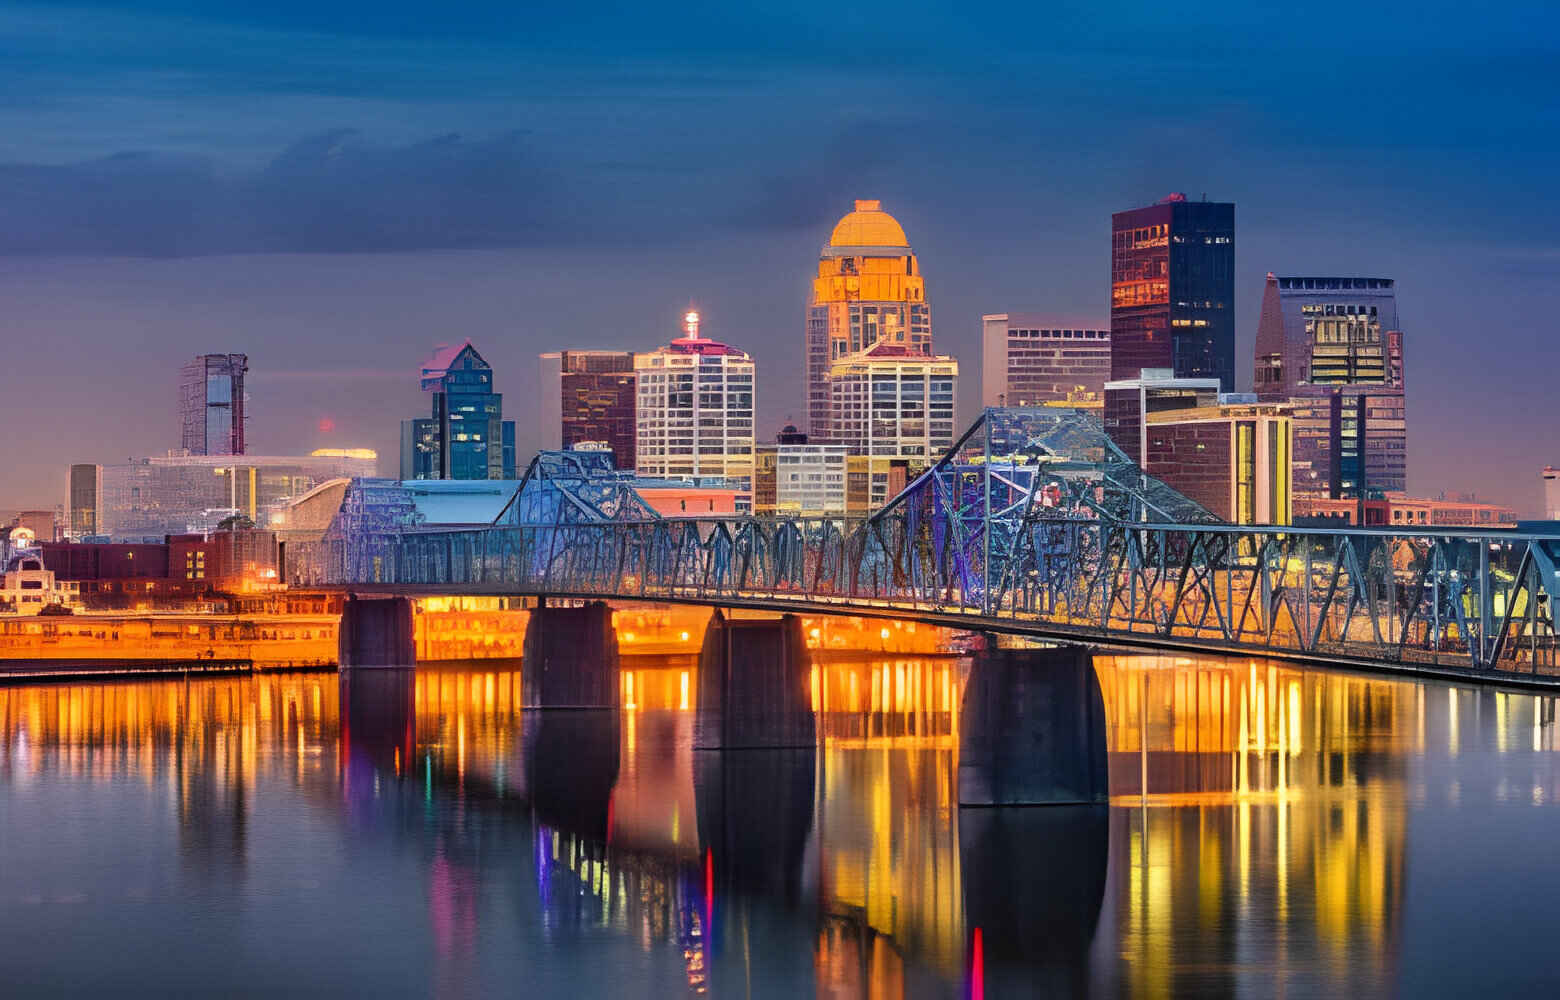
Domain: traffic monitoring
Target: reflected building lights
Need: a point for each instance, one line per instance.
(1275, 797)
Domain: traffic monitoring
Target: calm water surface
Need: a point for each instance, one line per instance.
(415, 833)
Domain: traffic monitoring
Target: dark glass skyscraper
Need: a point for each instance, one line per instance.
(1172, 273)
(85, 498)
(466, 436)
(596, 401)
(211, 404)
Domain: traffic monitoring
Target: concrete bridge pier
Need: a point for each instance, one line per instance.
(571, 688)
(754, 686)
(571, 658)
(376, 632)
(1032, 729)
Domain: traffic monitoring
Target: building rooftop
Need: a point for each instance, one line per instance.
(691, 342)
(868, 226)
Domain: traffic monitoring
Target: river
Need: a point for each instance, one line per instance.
(1302, 832)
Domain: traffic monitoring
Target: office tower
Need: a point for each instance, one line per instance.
(1233, 459)
(1029, 361)
(466, 436)
(1332, 347)
(1325, 332)
(1551, 478)
(868, 290)
(694, 400)
(1128, 402)
(1173, 290)
(1349, 442)
(588, 397)
(85, 499)
(211, 404)
(894, 405)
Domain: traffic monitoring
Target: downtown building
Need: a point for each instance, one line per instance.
(466, 435)
(1029, 361)
(588, 400)
(694, 413)
(868, 290)
(1173, 290)
(1333, 349)
(894, 405)
(796, 478)
(1226, 451)
(212, 404)
(1233, 458)
(1551, 479)
(151, 498)
(85, 500)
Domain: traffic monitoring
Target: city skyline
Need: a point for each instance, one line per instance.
(333, 302)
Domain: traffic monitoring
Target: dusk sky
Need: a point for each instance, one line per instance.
(334, 189)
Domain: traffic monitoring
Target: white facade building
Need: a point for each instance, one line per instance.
(28, 587)
(694, 412)
(892, 404)
(810, 479)
(1551, 493)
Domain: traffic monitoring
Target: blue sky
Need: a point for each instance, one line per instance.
(334, 188)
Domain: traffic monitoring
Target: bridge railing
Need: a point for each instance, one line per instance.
(1480, 600)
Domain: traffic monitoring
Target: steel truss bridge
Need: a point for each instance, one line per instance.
(1034, 523)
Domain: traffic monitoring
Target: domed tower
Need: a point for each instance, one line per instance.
(868, 291)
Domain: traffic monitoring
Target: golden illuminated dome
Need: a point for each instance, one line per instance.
(868, 226)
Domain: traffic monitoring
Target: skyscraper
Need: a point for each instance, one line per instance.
(869, 290)
(1326, 332)
(1173, 290)
(466, 436)
(1332, 346)
(694, 400)
(85, 499)
(1030, 361)
(893, 405)
(211, 404)
(589, 397)
(1551, 477)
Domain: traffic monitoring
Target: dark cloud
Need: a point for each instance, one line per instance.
(331, 192)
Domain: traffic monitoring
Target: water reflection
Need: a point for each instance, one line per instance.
(1258, 837)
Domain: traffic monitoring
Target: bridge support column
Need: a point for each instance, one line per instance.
(754, 686)
(1032, 729)
(376, 632)
(570, 658)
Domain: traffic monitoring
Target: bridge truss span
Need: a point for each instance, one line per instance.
(1033, 523)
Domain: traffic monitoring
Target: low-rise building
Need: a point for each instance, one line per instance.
(1234, 460)
(29, 586)
(1129, 401)
(151, 498)
(1395, 510)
